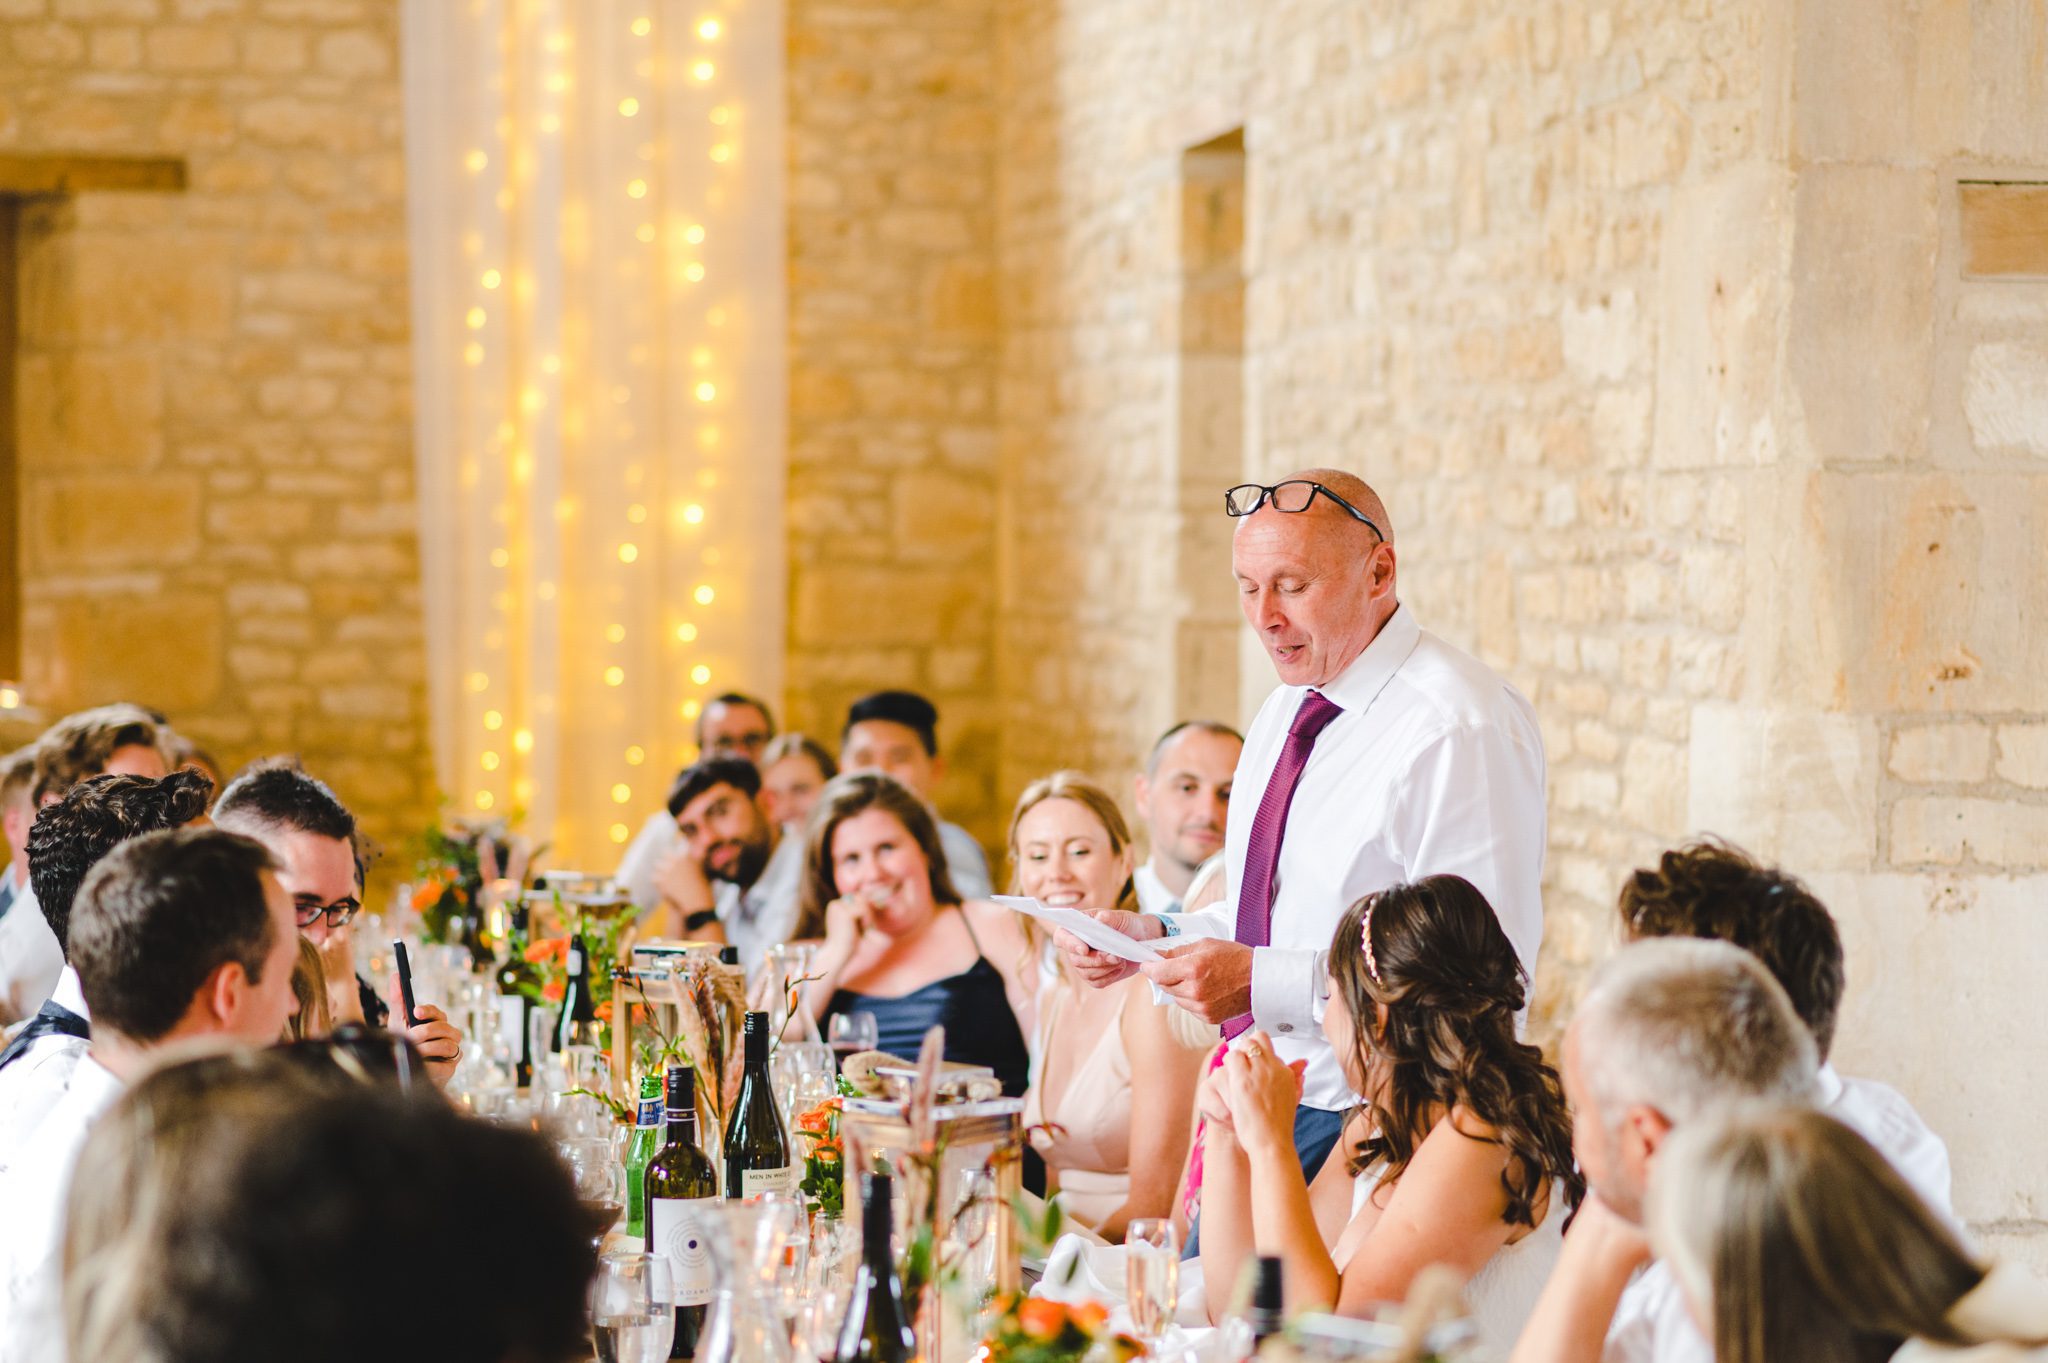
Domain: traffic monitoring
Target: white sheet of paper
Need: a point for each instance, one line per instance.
(1101, 936)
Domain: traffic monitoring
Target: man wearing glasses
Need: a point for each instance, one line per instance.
(1384, 755)
(312, 836)
(732, 725)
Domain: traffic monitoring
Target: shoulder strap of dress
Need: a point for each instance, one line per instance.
(968, 923)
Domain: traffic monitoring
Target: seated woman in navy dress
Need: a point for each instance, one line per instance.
(898, 941)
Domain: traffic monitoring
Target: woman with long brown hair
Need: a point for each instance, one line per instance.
(1793, 1238)
(898, 941)
(1459, 1154)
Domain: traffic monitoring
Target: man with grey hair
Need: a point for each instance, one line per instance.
(1669, 1031)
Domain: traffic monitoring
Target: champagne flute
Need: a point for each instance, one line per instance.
(1152, 1275)
(631, 1320)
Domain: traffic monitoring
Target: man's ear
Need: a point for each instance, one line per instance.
(938, 771)
(1649, 1127)
(1141, 792)
(222, 995)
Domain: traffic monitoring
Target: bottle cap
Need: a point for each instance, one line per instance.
(682, 1089)
(728, 955)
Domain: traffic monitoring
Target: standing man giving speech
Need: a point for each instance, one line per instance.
(1385, 755)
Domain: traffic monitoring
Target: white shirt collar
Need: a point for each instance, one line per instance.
(1829, 1085)
(1358, 685)
(69, 993)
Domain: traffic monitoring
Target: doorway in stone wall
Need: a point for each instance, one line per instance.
(1211, 436)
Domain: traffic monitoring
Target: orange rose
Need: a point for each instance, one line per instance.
(553, 990)
(426, 895)
(816, 1122)
(1089, 1315)
(604, 1011)
(1041, 1319)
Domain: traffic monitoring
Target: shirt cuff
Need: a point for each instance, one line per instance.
(1287, 990)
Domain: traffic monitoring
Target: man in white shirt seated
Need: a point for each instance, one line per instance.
(1385, 755)
(1669, 1031)
(69, 838)
(737, 874)
(1709, 889)
(731, 725)
(177, 937)
(897, 733)
(1184, 800)
(24, 948)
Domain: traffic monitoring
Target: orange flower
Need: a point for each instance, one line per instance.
(604, 1011)
(425, 895)
(1089, 1315)
(546, 949)
(553, 990)
(817, 1121)
(1041, 1319)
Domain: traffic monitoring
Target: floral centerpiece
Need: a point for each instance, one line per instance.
(824, 1180)
(548, 980)
(1036, 1330)
(453, 862)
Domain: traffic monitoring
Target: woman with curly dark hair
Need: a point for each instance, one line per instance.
(1459, 1154)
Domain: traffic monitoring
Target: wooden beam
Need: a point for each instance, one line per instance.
(77, 174)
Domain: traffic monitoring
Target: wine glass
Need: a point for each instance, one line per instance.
(632, 1318)
(600, 1181)
(851, 1033)
(794, 1062)
(1152, 1276)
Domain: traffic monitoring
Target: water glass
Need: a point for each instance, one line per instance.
(600, 1180)
(1152, 1275)
(632, 1319)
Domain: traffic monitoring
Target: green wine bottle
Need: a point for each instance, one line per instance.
(756, 1145)
(876, 1329)
(682, 1190)
(647, 1136)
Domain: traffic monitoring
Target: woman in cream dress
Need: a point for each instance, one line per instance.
(1114, 1077)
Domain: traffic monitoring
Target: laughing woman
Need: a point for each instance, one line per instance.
(1112, 1094)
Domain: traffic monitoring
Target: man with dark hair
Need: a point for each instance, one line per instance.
(897, 734)
(312, 835)
(734, 725)
(735, 876)
(70, 837)
(1183, 797)
(109, 739)
(1711, 889)
(731, 725)
(27, 951)
(177, 936)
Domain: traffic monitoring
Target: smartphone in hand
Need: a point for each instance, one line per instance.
(405, 984)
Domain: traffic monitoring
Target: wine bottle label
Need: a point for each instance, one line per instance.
(512, 1023)
(677, 1230)
(649, 1114)
(575, 962)
(752, 1181)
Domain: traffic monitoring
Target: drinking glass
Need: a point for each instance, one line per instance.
(782, 966)
(631, 1318)
(600, 1181)
(794, 1062)
(971, 1242)
(1152, 1275)
(851, 1033)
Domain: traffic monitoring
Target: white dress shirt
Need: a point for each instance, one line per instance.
(29, 958)
(764, 913)
(36, 1081)
(1153, 896)
(1435, 767)
(1651, 1323)
(32, 1196)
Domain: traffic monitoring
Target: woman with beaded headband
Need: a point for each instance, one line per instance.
(1458, 1153)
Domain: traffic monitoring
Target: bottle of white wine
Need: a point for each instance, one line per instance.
(681, 1191)
(875, 1330)
(756, 1146)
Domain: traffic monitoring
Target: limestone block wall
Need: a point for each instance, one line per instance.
(213, 428)
(893, 455)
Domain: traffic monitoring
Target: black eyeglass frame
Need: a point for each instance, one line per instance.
(1266, 495)
(338, 915)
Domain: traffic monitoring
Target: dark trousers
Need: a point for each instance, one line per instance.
(1315, 1136)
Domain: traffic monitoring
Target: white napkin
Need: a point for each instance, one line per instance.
(1083, 1268)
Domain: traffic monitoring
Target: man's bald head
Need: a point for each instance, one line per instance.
(1316, 584)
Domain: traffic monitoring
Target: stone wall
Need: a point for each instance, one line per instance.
(892, 354)
(1661, 329)
(214, 437)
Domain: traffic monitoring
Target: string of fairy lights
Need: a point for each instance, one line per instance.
(597, 387)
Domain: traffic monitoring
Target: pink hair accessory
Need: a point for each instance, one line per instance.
(1372, 965)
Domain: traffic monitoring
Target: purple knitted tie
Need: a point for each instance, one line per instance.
(1269, 826)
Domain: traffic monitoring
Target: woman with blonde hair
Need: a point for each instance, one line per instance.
(1793, 1238)
(1111, 1100)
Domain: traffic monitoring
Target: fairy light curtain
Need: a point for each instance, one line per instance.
(598, 329)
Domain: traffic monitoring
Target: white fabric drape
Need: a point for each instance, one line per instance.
(596, 200)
